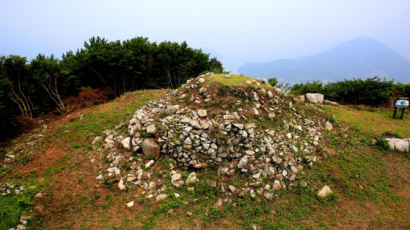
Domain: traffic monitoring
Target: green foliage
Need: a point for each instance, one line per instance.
(308, 87)
(38, 87)
(382, 144)
(273, 81)
(371, 91)
(12, 206)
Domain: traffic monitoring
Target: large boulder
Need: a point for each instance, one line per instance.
(316, 98)
(150, 148)
(397, 144)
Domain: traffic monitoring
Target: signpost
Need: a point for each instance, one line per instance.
(401, 103)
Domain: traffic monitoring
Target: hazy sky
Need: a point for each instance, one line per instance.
(236, 31)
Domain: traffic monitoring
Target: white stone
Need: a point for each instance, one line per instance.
(255, 111)
(176, 177)
(324, 192)
(192, 179)
(268, 195)
(397, 144)
(328, 126)
(315, 98)
(126, 143)
(151, 129)
(232, 188)
(160, 197)
(243, 162)
(149, 164)
(202, 112)
(277, 185)
(121, 185)
(130, 204)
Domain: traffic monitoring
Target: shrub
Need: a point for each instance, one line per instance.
(308, 87)
(371, 91)
(88, 97)
(382, 144)
(273, 81)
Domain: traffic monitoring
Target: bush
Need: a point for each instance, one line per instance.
(12, 206)
(309, 87)
(372, 91)
(382, 144)
(273, 81)
(88, 97)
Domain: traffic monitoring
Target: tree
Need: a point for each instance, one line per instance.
(15, 77)
(47, 72)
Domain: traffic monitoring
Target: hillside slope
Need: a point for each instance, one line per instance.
(59, 167)
(360, 57)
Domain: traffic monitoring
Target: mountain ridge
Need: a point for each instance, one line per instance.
(360, 57)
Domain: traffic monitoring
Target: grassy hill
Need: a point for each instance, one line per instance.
(58, 166)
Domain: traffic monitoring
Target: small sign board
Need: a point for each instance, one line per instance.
(401, 104)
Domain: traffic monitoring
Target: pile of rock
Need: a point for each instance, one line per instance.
(10, 188)
(22, 223)
(23, 148)
(199, 137)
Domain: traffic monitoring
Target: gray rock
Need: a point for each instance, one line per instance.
(268, 195)
(96, 140)
(121, 185)
(239, 126)
(202, 112)
(400, 145)
(161, 197)
(126, 143)
(277, 159)
(192, 179)
(316, 98)
(171, 109)
(130, 204)
(232, 188)
(277, 185)
(243, 162)
(328, 126)
(188, 141)
(149, 163)
(151, 129)
(255, 111)
(324, 192)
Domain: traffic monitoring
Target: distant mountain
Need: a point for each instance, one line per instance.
(360, 57)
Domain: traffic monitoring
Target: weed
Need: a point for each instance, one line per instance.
(12, 206)
(80, 179)
(382, 144)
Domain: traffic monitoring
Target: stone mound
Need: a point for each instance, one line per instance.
(251, 128)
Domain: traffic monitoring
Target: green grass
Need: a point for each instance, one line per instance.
(374, 121)
(235, 80)
(95, 122)
(357, 172)
(13, 206)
